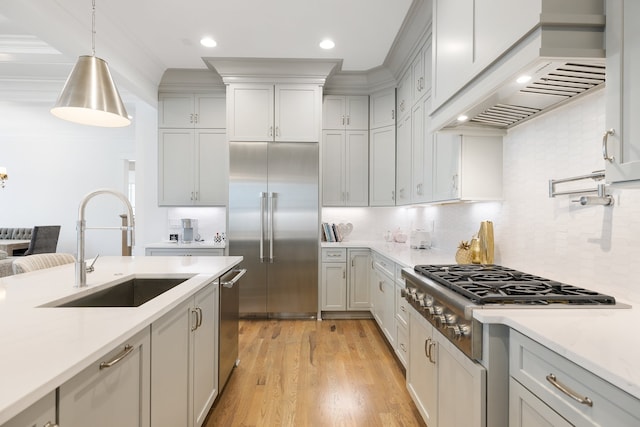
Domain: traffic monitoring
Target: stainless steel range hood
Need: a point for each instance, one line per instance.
(557, 82)
(564, 59)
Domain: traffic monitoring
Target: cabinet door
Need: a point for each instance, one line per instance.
(357, 113)
(210, 111)
(117, 395)
(40, 414)
(333, 112)
(526, 410)
(446, 166)
(212, 154)
(405, 94)
(205, 352)
(422, 153)
(176, 111)
(297, 111)
(175, 169)
(403, 161)
(453, 38)
(333, 165)
(358, 267)
(170, 367)
(422, 374)
(459, 380)
(334, 286)
(417, 76)
(382, 107)
(389, 318)
(250, 112)
(357, 168)
(382, 166)
(623, 102)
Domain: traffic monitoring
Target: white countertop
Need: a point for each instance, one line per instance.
(204, 244)
(41, 348)
(601, 340)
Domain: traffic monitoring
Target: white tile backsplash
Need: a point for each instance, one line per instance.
(591, 246)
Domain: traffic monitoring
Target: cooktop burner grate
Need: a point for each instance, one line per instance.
(494, 284)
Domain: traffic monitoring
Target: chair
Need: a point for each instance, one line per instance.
(44, 239)
(41, 261)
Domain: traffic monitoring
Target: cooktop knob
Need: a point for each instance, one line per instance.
(459, 331)
(435, 310)
(440, 319)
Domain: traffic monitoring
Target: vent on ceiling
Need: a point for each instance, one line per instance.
(555, 87)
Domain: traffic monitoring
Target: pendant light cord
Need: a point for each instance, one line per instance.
(93, 28)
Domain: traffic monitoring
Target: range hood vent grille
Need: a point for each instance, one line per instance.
(555, 87)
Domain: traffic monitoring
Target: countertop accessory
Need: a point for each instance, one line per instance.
(485, 240)
(601, 199)
(90, 96)
(3, 176)
(463, 254)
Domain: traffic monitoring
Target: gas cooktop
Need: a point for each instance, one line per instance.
(494, 284)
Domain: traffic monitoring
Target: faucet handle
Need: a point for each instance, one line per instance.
(90, 268)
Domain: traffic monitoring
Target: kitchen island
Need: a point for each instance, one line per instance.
(43, 346)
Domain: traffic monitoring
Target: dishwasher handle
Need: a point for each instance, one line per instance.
(230, 283)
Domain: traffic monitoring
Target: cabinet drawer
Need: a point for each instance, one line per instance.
(384, 265)
(334, 255)
(533, 366)
(402, 310)
(183, 252)
(402, 348)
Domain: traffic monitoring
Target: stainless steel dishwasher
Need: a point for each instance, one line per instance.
(228, 321)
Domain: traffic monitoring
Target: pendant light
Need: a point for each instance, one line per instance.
(90, 96)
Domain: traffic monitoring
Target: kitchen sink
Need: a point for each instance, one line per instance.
(131, 293)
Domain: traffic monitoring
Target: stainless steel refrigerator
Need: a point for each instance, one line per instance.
(273, 224)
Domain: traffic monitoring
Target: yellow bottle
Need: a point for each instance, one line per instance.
(475, 249)
(485, 237)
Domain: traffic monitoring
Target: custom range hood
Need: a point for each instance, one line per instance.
(560, 60)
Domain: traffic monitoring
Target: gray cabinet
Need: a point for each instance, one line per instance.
(382, 166)
(345, 279)
(184, 363)
(191, 111)
(113, 391)
(382, 108)
(341, 112)
(623, 98)
(345, 168)
(40, 414)
(556, 388)
(150, 251)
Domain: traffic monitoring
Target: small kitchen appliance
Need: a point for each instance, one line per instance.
(189, 229)
(420, 239)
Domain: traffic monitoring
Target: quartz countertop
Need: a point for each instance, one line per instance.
(204, 244)
(601, 340)
(42, 347)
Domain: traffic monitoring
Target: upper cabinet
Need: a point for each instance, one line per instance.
(281, 112)
(467, 168)
(382, 108)
(345, 168)
(186, 111)
(345, 112)
(621, 144)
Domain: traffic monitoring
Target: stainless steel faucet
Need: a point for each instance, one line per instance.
(81, 268)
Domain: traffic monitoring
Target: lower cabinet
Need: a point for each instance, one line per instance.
(114, 391)
(383, 296)
(344, 281)
(548, 389)
(440, 378)
(40, 414)
(184, 367)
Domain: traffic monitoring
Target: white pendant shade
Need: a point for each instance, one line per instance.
(90, 96)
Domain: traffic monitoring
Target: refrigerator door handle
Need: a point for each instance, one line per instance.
(272, 198)
(263, 198)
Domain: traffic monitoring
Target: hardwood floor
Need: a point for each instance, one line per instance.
(310, 373)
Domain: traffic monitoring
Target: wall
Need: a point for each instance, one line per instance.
(590, 246)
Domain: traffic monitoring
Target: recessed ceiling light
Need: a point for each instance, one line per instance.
(523, 79)
(208, 42)
(463, 118)
(327, 44)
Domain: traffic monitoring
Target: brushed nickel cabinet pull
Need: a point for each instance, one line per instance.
(127, 349)
(196, 117)
(432, 359)
(195, 323)
(605, 141)
(427, 348)
(393, 114)
(569, 392)
(50, 424)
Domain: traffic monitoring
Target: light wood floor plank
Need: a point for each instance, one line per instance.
(305, 373)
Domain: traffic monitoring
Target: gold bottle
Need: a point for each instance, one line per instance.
(475, 250)
(485, 238)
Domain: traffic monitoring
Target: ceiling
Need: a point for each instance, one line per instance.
(40, 40)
